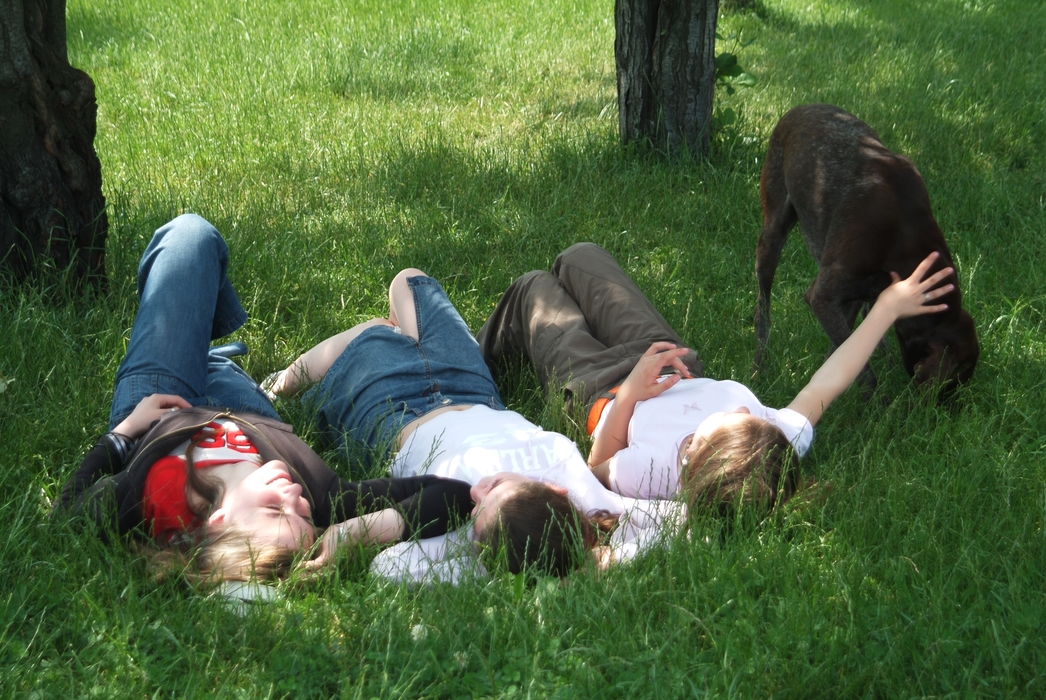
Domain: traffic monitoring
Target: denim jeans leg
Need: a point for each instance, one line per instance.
(229, 386)
(185, 301)
(453, 355)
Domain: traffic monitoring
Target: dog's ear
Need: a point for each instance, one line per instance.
(915, 349)
(952, 356)
(928, 367)
(963, 350)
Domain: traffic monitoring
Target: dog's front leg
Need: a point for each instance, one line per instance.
(829, 299)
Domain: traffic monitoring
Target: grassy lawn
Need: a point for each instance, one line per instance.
(334, 143)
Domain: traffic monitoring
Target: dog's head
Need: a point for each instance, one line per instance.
(944, 354)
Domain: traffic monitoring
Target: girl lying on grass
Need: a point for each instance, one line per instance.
(416, 382)
(197, 460)
(657, 428)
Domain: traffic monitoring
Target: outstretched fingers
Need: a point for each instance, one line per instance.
(916, 293)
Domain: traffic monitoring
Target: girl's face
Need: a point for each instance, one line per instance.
(489, 493)
(270, 506)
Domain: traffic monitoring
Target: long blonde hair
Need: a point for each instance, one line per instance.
(225, 556)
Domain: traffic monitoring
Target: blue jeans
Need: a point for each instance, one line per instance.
(185, 301)
(384, 380)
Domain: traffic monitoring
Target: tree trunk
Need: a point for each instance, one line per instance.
(665, 54)
(52, 212)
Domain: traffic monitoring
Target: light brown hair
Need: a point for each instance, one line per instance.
(746, 466)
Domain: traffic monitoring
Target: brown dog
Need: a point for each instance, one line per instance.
(864, 212)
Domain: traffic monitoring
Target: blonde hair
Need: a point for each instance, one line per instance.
(749, 466)
(203, 556)
(202, 559)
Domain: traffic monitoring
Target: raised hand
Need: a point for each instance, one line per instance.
(912, 296)
(642, 382)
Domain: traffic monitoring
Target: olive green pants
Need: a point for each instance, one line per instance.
(584, 326)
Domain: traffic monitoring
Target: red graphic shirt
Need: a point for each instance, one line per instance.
(163, 497)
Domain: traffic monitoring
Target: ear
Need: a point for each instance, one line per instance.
(559, 489)
(928, 368)
(603, 556)
(914, 345)
(217, 518)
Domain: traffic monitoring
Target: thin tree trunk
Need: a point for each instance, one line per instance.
(52, 212)
(665, 55)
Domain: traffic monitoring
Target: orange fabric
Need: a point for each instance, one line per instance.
(596, 411)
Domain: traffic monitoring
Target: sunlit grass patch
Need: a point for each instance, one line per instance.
(334, 144)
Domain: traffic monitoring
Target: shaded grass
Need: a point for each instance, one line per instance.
(334, 144)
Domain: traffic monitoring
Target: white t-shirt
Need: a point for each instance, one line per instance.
(478, 442)
(649, 466)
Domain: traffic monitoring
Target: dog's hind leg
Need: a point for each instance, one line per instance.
(779, 216)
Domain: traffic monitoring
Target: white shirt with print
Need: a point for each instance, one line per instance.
(649, 466)
(479, 442)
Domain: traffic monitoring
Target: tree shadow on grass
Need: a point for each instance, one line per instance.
(489, 218)
(922, 75)
(97, 27)
(422, 62)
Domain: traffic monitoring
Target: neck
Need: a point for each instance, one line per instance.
(231, 474)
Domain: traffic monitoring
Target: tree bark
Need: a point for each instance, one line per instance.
(52, 212)
(665, 55)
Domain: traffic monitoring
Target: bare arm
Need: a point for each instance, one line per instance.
(381, 527)
(147, 412)
(602, 472)
(902, 299)
(312, 365)
(641, 384)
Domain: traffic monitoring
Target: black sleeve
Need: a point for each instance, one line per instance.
(440, 505)
(96, 487)
(428, 504)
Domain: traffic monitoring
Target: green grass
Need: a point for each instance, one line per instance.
(336, 143)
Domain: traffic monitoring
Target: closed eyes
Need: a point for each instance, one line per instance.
(279, 512)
